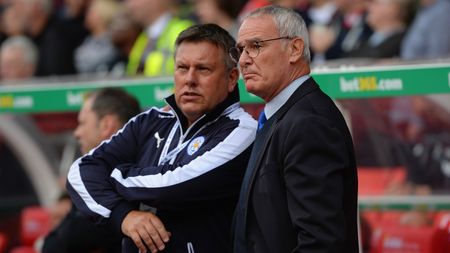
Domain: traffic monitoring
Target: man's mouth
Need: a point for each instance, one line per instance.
(190, 95)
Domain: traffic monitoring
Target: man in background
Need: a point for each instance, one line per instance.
(152, 52)
(103, 113)
(18, 58)
(428, 35)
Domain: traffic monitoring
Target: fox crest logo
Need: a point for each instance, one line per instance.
(158, 139)
(195, 145)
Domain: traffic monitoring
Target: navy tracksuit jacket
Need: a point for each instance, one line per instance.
(192, 176)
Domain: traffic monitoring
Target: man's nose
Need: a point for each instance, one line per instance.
(245, 59)
(77, 133)
(191, 78)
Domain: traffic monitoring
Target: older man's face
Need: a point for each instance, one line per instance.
(264, 74)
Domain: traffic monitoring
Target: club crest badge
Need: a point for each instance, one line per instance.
(195, 145)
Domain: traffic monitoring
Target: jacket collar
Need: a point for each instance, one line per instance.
(307, 87)
(232, 98)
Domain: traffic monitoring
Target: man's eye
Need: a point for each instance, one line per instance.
(255, 45)
(240, 49)
(203, 69)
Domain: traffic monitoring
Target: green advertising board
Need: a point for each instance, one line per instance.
(345, 82)
(385, 81)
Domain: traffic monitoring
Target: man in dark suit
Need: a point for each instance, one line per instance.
(299, 193)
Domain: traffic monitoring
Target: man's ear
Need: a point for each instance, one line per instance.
(297, 47)
(109, 125)
(233, 78)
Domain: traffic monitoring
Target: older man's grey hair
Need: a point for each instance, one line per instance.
(29, 50)
(288, 22)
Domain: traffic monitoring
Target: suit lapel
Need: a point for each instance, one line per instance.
(307, 87)
(261, 141)
(263, 137)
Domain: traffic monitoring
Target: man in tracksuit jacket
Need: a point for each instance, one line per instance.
(186, 162)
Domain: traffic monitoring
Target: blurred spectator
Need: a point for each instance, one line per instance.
(389, 20)
(322, 34)
(152, 53)
(55, 51)
(72, 15)
(321, 12)
(221, 12)
(424, 126)
(103, 113)
(429, 36)
(410, 132)
(97, 53)
(18, 58)
(13, 23)
(346, 30)
(124, 32)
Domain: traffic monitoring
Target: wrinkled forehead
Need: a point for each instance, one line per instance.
(257, 28)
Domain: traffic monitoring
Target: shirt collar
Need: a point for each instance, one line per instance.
(279, 100)
(156, 28)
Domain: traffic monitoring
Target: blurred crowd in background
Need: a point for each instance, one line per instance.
(41, 38)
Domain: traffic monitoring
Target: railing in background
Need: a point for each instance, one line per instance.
(342, 82)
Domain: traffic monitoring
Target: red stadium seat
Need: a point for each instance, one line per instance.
(3, 242)
(375, 180)
(35, 222)
(442, 220)
(409, 239)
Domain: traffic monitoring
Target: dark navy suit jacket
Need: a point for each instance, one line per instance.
(300, 190)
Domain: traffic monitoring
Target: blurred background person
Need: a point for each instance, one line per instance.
(345, 31)
(428, 37)
(389, 20)
(103, 113)
(322, 35)
(152, 52)
(97, 53)
(321, 12)
(220, 12)
(72, 15)
(13, 23)
(124, 32)
(18, 59)
(49, 35)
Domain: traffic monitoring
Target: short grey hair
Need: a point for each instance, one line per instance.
(288, 22)
(29, 50)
